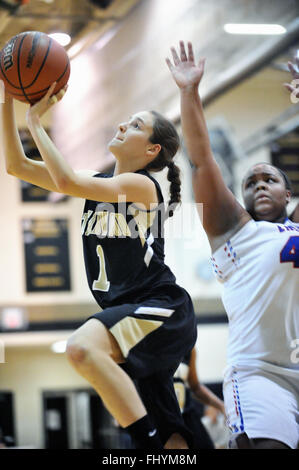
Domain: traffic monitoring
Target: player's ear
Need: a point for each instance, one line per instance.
(288, 196)
(153, 150)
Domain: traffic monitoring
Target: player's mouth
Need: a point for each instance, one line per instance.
(262, 196)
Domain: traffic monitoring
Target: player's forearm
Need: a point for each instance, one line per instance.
(207, 397)
(194, 127)
(60, 171)
(11, 143)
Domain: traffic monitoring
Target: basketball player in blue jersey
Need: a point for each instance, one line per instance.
(255, 254)
(147, 323)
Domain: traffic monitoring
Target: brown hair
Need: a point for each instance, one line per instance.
(165, 134)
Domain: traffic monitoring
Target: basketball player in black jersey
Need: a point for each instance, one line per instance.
(147, 324)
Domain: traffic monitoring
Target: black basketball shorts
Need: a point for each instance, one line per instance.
(154, 334)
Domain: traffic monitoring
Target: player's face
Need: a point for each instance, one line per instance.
(264, 193)
(132, 137)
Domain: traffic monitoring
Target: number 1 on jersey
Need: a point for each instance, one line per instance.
(102, 282)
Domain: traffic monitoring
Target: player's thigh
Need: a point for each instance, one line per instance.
(94, 335)
(251, 397)
(242, 441)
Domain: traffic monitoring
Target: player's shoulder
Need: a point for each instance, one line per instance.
(290, 223)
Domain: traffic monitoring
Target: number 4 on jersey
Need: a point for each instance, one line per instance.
(290, 252)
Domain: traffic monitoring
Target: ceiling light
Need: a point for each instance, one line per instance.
(235, 28)
(59, 347)
(63, 38)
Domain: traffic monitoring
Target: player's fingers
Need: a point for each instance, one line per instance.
(183, 51)
(53, 99)
(190, 52)
(50, 91)
(168, 62)
(176, 58)
(60, 94)
(294, 90)
(292, 68)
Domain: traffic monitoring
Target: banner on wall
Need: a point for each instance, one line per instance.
(46, 252)
(31, 193)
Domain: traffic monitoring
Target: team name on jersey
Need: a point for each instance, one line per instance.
(287, 228)
(105, 224)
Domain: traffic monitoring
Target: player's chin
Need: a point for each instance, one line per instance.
(264, 211)
(268, 216)
(112, 145)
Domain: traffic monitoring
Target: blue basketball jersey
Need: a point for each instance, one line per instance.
(124, 249)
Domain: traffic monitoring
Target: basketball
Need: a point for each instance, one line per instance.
(30, 62)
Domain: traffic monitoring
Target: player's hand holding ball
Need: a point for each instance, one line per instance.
(30, 62)
(43, 105)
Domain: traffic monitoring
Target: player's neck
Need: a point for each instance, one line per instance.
(126, 167)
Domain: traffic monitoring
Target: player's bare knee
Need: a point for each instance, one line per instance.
(77, 351)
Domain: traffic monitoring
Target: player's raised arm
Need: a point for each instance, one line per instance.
(222, 214)
(17, 164)
(134, 187)
(16, 161)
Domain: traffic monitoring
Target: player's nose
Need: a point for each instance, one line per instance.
(122, 127)
(260, 184)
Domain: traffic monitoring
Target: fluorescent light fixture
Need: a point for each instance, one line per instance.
(63, 38)
(59, 347)
(235, 28)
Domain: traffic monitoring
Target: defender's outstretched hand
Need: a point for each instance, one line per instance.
(293, 87)
(183, 69)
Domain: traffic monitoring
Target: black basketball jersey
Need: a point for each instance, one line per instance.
(124, 249)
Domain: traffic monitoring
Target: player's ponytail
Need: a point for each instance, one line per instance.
(173, 177)
(165, 134)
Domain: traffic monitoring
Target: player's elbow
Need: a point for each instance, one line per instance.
(65, 184)
(14, 166)
(12, 170)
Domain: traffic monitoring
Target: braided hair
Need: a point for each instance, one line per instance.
(165, 134)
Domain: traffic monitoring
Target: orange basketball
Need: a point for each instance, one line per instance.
(30, 62)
